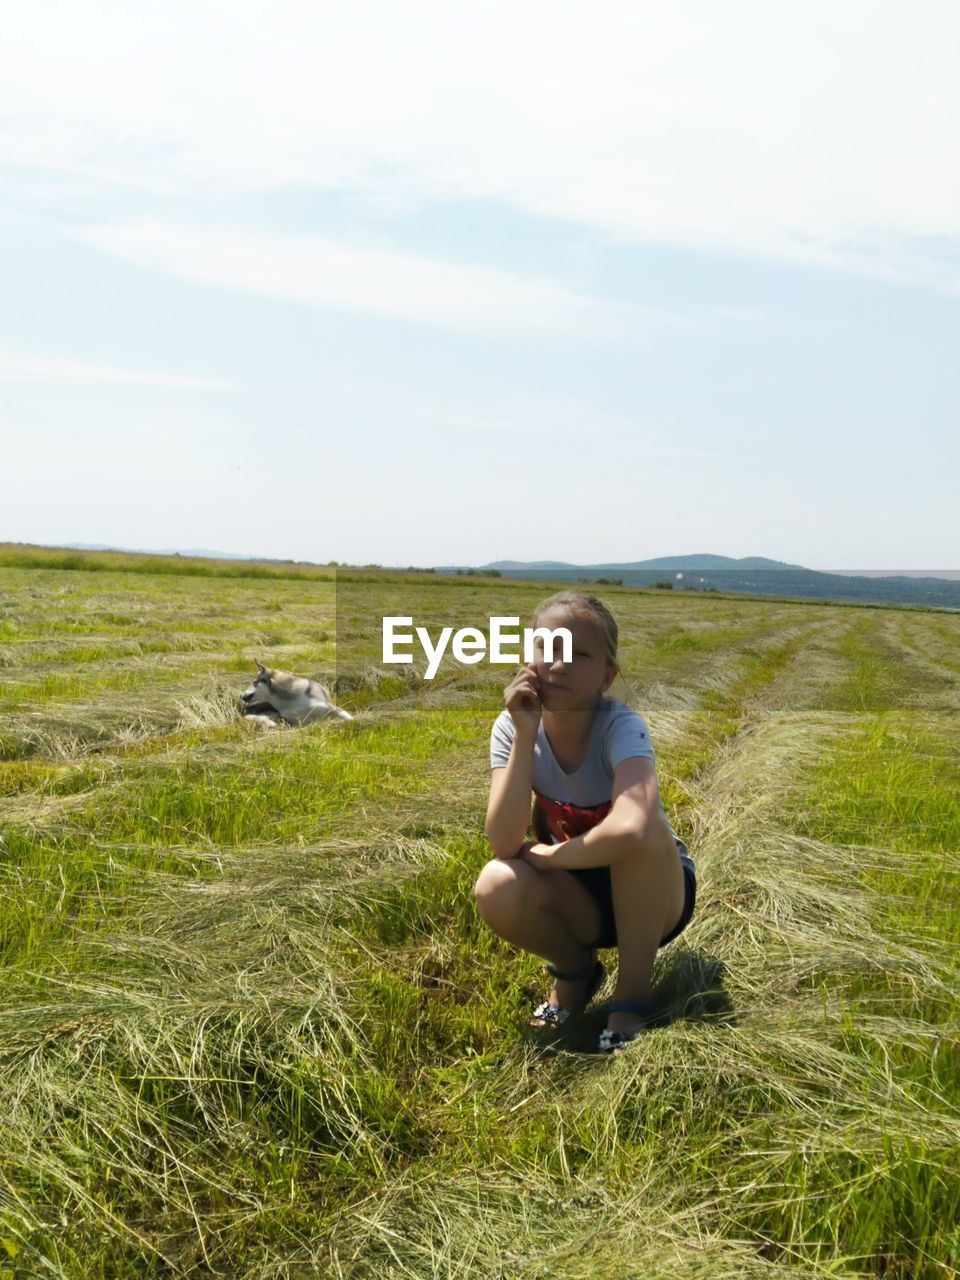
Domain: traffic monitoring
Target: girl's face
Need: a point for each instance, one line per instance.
(567, 685)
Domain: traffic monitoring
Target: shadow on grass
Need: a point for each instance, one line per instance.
(692, 991)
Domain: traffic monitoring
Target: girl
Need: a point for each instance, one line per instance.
(607, 869)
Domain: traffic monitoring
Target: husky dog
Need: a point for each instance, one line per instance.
(277, 696)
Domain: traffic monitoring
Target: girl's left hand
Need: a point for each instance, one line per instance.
(541, 856)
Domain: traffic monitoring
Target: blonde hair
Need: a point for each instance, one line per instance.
(580, 605)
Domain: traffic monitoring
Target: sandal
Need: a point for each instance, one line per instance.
(552, 1015)
(610, 1041)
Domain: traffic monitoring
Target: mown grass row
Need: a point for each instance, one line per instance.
(169, 647)
(64, 686)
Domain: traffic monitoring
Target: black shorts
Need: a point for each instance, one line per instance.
(597, 881)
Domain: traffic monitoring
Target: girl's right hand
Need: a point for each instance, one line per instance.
(522, 698)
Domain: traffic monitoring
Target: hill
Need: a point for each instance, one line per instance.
(750, 575)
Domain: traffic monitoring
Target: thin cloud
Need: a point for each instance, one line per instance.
(322, 272)
(549, 422)
(822, 134)
(15, 365)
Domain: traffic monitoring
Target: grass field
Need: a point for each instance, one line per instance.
(251, 1023)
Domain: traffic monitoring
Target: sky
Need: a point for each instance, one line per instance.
(443, 283)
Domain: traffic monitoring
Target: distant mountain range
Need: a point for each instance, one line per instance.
(752, 575)
(683, 563)
(139, 551)
(749, 575)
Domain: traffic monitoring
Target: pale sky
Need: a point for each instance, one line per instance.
(439, 282)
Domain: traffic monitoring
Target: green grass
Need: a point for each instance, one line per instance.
(251, 1024)
(17, 556)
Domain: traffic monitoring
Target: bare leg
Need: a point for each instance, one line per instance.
(547, 912)
(648, 896)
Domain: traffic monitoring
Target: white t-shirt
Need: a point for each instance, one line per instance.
(574, 802)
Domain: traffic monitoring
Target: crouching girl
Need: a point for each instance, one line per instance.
(607, 869)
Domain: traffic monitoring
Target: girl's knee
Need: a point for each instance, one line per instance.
(658, 839)
(501, 885)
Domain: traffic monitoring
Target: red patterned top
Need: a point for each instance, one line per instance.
(564, 821)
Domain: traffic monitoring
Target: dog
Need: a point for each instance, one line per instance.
(277, 697)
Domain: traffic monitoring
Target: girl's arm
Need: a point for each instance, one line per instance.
(636, 803)
(508, 809)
